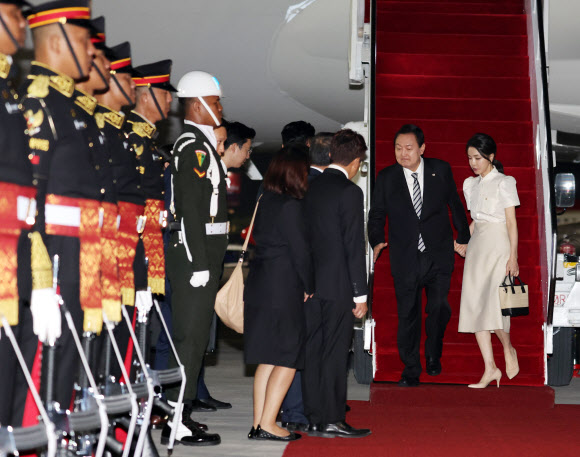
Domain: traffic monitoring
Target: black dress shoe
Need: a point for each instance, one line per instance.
(200, 405)
(407, 381)
(197, 438)
(343, 430)
(433, 366)
(264, 435)
(316, 430)
(216, 403)
(295, 426)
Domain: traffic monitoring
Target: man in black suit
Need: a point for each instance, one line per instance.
(415, 194)
(292, 415)
(334, 209)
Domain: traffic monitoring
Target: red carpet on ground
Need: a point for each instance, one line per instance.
(448, 421)
(455, 68)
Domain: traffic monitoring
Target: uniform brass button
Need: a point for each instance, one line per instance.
(102, 191)
(97, 167)
(35, 182)
(91, 144)
(110, 160)
(114, 181)
(138, 186)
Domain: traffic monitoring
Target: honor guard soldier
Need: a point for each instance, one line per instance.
(97, 82)
(153, 104)
(22, 250)
(199, 239)
(126, 176)
(68, 186)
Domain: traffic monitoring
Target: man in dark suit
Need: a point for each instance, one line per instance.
(293, 417)
(415, 194)
(334, 209)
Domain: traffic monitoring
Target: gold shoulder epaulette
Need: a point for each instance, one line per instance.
(4, 66)
(86, 102)
(115, 119)
(143, 129)
(39, 87)
(64, 84)
(100, 118)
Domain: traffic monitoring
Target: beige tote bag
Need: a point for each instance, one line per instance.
(229, 302)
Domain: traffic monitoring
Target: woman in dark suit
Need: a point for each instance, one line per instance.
(279, 281)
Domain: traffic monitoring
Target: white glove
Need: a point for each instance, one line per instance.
(144, 301)
(46, 317)
(199, 278)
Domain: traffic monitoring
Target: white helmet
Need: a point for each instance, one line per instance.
(198, 84)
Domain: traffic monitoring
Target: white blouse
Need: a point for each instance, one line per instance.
(487, 198)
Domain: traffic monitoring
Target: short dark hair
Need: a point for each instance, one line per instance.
(485, 145)
(411, 128)
(346, 146)
(238, 133)
(298, 132)
(288, 171)
(320, 148)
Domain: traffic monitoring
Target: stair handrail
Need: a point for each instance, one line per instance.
(545, 159)
(357, 18)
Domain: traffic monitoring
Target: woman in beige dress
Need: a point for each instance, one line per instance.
(492, 253)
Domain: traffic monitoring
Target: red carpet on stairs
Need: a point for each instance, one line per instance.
(453, 421)
(456, 68)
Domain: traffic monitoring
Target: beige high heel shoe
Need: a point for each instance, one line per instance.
(495, 376)
(512, 367)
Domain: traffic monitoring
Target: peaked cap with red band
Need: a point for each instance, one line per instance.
(156, 74)
(20, 3)
(98, 33)
(75, 12)
(120, 58)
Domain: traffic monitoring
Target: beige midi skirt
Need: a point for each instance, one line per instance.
(484, 270)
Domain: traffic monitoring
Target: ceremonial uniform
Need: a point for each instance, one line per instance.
(198, 243)
(69, 201)
(140, 134)
(103, 166)
(17, 211)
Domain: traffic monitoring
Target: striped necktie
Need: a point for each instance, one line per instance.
(418, 205)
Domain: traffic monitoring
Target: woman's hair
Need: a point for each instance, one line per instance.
(288, 171)
(486, 147)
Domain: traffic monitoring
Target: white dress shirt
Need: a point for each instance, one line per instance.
(207, 131)
(411, 181)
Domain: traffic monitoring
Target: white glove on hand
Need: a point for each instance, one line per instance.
(199, 278)
(46, 317)
(144, 301)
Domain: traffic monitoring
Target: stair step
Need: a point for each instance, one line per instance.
(467, 109)
(426, 43)
(451, 22)
(452, 87)
(446, 130)
(508, 154)
(456, 7)
(451, 65)
(464, 368)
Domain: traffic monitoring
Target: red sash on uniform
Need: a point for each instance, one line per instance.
(153, 243)
(10, 228)
(127, 238)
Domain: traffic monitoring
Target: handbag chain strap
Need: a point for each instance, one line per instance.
(249, 234)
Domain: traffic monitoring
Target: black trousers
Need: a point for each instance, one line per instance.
(67, 360)
(408, 291)
(329, 327)
(192, 313)
(13, 386)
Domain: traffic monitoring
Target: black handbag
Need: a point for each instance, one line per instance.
(513, 297)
